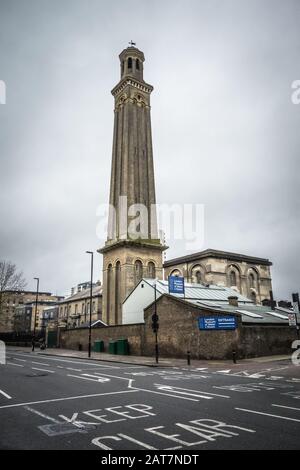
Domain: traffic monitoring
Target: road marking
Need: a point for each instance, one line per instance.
(74, 362)
(112, 376)
(98, 379)
(5, 394)
(268, 414)
(195, 391)
(160, 393)
(42, 414)
(172, 389)
(288, 407)
(22, 360)
(67, 398)
(225, 371)
(40, 363)
(12, 364)
(44, 370)
(76, 370)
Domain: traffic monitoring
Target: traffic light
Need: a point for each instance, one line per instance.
(155, 324)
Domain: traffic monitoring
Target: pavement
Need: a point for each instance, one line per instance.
(145, 360)
(51, 401)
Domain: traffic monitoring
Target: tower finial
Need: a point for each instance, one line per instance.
(132, 43)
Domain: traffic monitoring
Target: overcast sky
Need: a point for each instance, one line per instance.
(225, 131)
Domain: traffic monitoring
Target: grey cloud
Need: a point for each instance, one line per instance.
(222, 119)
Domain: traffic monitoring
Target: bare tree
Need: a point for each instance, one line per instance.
(10, 280)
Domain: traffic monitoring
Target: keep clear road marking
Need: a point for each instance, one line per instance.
(5, 395)
(66, 398)
(43, 370)
(268, 414)
(288, 407)
(170, 388)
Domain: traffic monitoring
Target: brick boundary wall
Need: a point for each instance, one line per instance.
(179, 332)
(72, 338)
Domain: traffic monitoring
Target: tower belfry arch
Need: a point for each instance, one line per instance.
(132, 190)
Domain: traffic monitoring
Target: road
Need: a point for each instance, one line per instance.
(50, 402)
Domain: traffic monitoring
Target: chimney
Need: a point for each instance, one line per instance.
(233, 300)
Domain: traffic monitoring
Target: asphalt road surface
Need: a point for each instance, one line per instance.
(49, 402)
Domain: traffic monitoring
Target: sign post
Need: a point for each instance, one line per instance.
(155, 324)
(296, 307)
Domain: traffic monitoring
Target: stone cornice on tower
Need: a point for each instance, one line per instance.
(142, 86)
(153, 244)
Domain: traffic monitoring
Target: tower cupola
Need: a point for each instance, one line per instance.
(132, 60)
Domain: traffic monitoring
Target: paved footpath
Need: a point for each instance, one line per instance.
(50, 401)
(149, 361)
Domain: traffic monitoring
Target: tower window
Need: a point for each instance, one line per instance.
(151, 270)
(122, 67)
(137, 64)
(129, 63)
(138, 267)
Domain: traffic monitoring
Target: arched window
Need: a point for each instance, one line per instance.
(151, 270)
(198, 277)
(138, 270)
(251, 280)
(253, 297)
(232, 278)
(122, 67)
(109, 290)
(175, 273)
(129, 63)
(137, 64)
(117, 291)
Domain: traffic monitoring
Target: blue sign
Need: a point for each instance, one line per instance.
(217, 323)
(176, 285)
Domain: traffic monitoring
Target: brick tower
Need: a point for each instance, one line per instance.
(129, 255)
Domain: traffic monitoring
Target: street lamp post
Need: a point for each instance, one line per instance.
(35, 312)
(91, 298)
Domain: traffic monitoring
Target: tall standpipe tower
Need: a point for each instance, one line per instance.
(133, 249)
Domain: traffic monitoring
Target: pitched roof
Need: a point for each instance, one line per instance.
(84, 294)
(215, 298)
(211, 293)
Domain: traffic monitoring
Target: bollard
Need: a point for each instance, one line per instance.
(234, 356)
(189, 358)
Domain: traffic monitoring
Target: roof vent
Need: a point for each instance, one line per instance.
(233, 300)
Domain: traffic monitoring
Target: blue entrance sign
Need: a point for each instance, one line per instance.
(217, 323)
(176, 285)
